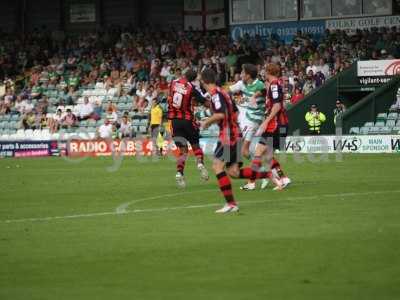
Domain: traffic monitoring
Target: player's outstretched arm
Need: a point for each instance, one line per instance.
(215, 118)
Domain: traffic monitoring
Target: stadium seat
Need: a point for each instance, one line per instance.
(398, 123)
(385, 130)
(20, 133)
(354, 130)
(15, 117)
(391, 123)
(142, 129)
(91, 123)
(4, 137)
(369, 124)
(392, 116)
(52, 109)
(364, 130)
(396, 130)
(381, 117)
(28, 134)
(380, 124)
(375, 130)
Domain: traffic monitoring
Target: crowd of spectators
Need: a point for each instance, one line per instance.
(137, 65)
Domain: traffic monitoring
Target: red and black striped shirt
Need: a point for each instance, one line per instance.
(180, 99)
(275, 95)
(221, 102)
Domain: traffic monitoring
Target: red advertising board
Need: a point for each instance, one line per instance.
(125, 147)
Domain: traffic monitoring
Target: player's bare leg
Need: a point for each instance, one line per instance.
(250, 185)
(225, 186)
(198, 152)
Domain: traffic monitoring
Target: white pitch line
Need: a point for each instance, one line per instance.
(123, 208)
(135, 211)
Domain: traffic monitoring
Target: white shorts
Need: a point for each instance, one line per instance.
(248, 129)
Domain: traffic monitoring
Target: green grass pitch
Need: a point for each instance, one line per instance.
(334, 234)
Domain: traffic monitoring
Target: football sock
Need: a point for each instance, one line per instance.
(180, 162)
(255, 167)
(198, 152)
(249, 173)
(225, 186)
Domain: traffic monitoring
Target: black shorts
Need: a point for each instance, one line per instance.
(229, 154)
(184, 130)
(276, 139)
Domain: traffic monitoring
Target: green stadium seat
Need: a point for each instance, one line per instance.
(142, 129)
(354, 130)
(91, 123)
(393, 116)
(12, 124)
(374, 130)
(380, 124)
(144, 122)
(83, 123)
(52, 109)
(364, 130)
(369, 124)
(396, 130)
(15, 117)
(381, 117)
(385, 130)
(391, 123)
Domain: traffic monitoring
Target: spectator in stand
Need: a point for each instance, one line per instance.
(309, 84)
(29, 120)
(4, 108)
(111, 107)
(297, 96)
(53, 122)
(125, 128)
(141, 93)
(36, 91)
(85, 110)
(106, 130)
(69, 120)
(314, 119)
(97, 110)
(27, 106)
(112, 116)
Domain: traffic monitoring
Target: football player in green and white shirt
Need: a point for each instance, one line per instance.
(251, 108)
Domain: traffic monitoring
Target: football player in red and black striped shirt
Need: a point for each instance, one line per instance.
(182, 97)
(227, 155)
(273, 130)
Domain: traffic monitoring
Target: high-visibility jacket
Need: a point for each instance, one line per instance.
(315, 121)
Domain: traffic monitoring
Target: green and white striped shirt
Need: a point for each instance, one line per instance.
(254, 112)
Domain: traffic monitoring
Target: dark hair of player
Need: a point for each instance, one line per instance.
(251, 70)
(190, 75)
(209, 76)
